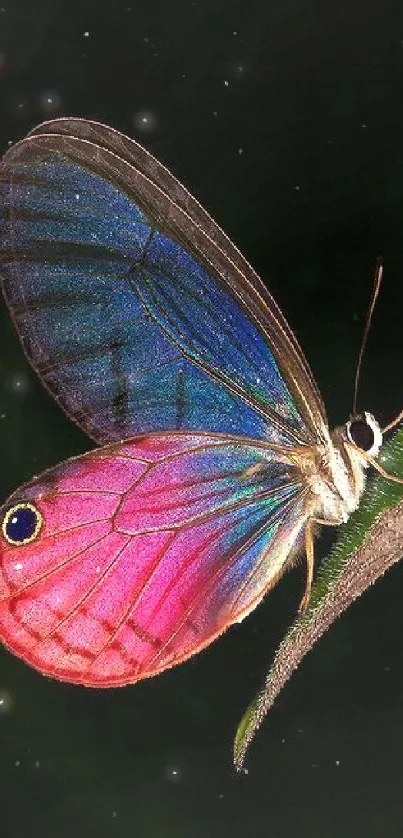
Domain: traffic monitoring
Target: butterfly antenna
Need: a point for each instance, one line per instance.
(394, 422)
(374, 296)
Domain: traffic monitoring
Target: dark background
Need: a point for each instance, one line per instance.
(285, 118)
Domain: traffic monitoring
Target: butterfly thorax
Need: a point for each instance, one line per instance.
(336, 471)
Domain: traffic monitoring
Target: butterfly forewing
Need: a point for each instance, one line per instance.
(133, 306)
(148, 551)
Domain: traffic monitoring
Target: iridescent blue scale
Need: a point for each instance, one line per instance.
(134, 330)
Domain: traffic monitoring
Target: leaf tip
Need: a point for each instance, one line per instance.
(245, 732)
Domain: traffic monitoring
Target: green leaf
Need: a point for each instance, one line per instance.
(368, 544)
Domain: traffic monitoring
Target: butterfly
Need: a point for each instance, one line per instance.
(215, 462)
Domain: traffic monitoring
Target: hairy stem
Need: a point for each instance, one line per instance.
(370, 543)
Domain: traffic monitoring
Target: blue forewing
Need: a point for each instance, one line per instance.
(133, 306)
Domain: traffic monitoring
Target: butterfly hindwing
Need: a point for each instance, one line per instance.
(147, 551)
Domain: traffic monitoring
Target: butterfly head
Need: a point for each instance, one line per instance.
(364, 433)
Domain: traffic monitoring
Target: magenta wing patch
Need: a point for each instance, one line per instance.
(144, 552)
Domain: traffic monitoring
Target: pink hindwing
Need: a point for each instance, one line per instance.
(146, 551)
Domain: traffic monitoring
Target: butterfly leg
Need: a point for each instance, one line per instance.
(377, 466)
(309, 552)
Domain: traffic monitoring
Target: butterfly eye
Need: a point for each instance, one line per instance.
(21, 523)
(364, 432)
